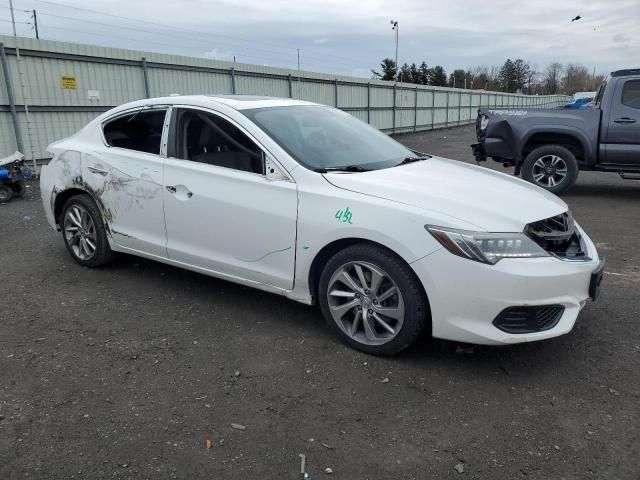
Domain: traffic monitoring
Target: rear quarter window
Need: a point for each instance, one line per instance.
(631, 94)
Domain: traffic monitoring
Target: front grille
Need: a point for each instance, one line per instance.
(558, 236)
(529, 319)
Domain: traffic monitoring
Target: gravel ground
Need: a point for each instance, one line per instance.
(127, 371)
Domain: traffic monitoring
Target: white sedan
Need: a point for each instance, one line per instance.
(306, 201)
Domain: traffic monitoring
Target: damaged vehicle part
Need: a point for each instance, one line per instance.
(306, 201)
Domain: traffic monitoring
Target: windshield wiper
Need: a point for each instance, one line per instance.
(412, 159)
(346, 168)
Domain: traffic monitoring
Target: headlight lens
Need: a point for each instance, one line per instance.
(484, 121)
(486, 247)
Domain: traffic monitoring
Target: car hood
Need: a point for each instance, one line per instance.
(490, 200)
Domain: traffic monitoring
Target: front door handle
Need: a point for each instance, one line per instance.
(99, 171)
(625, 120)
(179, 191)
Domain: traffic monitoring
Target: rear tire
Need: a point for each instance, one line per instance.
(84, 232)
(551, 167)
(372, 299)
(6, 193)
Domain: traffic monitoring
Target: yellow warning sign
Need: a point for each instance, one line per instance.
(68, 82)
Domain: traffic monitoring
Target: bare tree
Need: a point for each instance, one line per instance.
(551, 78)
(576, 79)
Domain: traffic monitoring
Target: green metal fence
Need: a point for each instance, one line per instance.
(51, 89)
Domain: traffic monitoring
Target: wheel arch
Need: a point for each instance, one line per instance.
(572, 140)
(325, 253)
(62, 197)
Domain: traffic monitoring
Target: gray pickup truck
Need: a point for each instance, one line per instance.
(548, 147)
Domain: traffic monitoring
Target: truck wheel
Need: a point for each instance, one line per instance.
(6, 193)
(551, 167)
(18, 188)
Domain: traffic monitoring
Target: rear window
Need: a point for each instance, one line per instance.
(631, 94)
(140, 131)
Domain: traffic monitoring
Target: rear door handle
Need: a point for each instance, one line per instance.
(99, 171)
(625, 120)
(171, 188)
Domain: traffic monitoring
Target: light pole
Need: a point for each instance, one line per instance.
(394, 26)
(13, 20)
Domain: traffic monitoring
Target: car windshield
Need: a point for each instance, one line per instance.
(324, 138)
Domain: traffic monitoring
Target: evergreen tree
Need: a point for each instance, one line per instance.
(388, 70)
(521, 74)
(457, 78)
(415, 73)
(405, 74)
(507, 77)
(424, 74)
(438, 77)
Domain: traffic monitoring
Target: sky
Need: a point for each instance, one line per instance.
(349, 37)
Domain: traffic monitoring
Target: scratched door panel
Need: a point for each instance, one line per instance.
(232, 222)
(127, 186)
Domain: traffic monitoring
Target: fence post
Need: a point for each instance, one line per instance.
(290, 87)
(470, 106)
(415, 111)
(12, 103)
(233, 80)
(459, 107)
(369, 102)
(433, 108)
(145, 76)
(446, 119)
(393, 128)
(335, 92)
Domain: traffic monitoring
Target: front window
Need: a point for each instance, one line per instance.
(598, 100)
(322, 138)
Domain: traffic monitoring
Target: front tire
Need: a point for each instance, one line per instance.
(6, 193)
(84, 232)
(372, 299)
(551, 167)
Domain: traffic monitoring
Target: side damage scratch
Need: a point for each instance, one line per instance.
(265, 255)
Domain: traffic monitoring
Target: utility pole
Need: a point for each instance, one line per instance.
(395, 27)
(35, 23)
(13, 20)
(299, 87)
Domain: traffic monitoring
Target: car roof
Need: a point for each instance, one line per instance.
(237, 102)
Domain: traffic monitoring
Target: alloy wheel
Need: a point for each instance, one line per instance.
(80, 232)
(549, 171)
(365, 303)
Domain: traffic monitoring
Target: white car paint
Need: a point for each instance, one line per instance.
(266, 230)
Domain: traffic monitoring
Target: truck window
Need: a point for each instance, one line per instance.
(598, 99)
(631, 94)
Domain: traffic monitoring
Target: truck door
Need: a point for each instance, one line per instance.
(623, 132)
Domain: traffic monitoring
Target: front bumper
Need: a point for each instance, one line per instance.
(466, 296)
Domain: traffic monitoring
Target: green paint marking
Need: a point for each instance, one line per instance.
(66, 168)
(266, 255)
(344, 216)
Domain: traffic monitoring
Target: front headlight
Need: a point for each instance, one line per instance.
(484, 121)
(486, 247)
